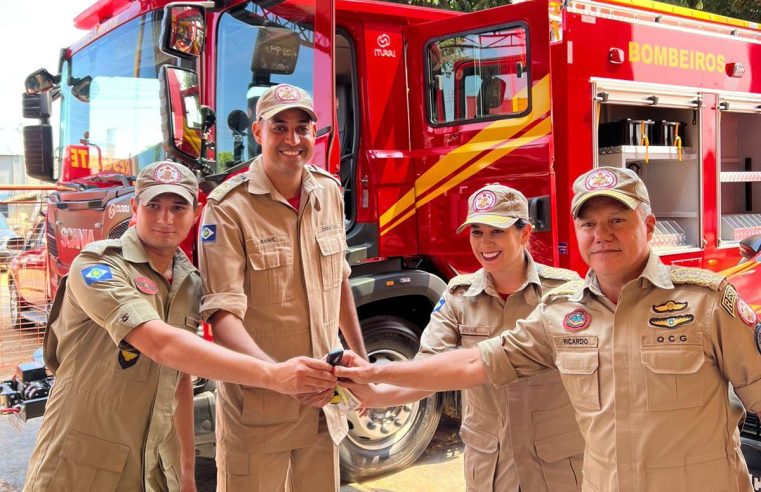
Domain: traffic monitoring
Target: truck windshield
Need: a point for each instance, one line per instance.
(110, 107)
(258, 48)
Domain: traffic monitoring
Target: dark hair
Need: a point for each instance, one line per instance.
(520, 224)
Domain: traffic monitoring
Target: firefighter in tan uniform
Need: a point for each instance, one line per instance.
(276, 286)
(646, 352)
(120, 415)
(521, 436)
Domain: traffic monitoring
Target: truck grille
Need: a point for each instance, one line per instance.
(119, 230)
(51, 242)
(752, 427)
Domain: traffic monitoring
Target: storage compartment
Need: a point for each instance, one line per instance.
(668, 164)
(740, 176)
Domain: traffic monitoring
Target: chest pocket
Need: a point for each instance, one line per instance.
(672, 376)
(331, 257)
(270, 270)
(580, 375)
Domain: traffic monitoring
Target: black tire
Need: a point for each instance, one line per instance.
(14, 305)
(367, 450)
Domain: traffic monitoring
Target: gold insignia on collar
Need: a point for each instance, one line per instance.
(729, 299)
(669, 307)
(672, 321)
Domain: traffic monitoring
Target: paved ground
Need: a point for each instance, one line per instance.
(439, 469)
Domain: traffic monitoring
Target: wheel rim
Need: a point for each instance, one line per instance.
(381, 428)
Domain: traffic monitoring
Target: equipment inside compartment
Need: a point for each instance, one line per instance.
(661, 145)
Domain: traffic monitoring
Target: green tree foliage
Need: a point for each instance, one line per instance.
(741, 9)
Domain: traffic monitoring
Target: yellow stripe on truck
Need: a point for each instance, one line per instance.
(499, 131)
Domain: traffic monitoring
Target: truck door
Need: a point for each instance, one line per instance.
(479, 90)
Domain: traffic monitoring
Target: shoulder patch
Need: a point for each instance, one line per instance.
(100, 247)
(464, 280)
(557, 273)
(729, 299)
(696, 276)
(318, 170)
(562, 291)
(222, 190)
(96, 273)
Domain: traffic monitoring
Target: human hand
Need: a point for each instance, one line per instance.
(303, 375)
(188, 481)
(317, 399)
(354, 368)
(367, 394)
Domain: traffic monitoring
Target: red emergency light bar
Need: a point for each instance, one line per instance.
(99, 12)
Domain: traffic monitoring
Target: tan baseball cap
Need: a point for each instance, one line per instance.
(166, 177)
(496, 205)
(621, 184)
(281, 97)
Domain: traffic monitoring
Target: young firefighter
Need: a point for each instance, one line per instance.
(276, 286)
(522, 436)
(122, 342)
(645, 350)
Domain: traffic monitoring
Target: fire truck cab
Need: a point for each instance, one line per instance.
(417, 108)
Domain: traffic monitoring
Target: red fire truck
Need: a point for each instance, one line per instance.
(417, 108)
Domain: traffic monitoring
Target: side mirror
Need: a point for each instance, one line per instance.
(182, 120)
(36, 106)
(238, 121)
(38, 152)
(40, 82)
(750, 247)
(183, 31)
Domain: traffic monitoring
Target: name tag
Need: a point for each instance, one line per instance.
(575, 341)
(474, 330)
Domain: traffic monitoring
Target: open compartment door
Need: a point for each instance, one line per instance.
(480, 113)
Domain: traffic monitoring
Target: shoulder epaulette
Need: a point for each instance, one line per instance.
(563, 291)
(464, 280)
(696, 276)
(556, 273)
(100, 247)
(322, 172)
(222, 190)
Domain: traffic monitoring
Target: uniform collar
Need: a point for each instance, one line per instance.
(134, 252)
(259, 183)
(654, 273)
(483, 282)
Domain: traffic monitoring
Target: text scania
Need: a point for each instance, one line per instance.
(667, 56)
(76, 238)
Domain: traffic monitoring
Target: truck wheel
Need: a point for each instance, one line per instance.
(388, 439)
(14, 308)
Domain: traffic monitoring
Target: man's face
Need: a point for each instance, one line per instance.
(165, 221)
(287, 140)
(613, 239)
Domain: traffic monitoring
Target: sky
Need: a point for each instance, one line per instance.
(34, 33)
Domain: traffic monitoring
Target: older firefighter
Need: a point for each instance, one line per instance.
(120, 416)
(522, 436)
(275, 286)
(646, 352)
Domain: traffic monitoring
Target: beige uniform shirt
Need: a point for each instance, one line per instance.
(279, 270)
(523, 435)
(108, 423)
(648, 377)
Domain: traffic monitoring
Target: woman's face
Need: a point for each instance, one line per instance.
(498, 249)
